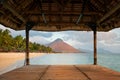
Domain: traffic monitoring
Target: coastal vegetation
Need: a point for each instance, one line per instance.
(8, 43)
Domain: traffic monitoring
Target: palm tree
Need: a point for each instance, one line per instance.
(6, 40)
(18, 43)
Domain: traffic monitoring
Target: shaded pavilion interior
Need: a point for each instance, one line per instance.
(60, 15)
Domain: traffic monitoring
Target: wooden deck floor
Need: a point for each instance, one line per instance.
(61, 72)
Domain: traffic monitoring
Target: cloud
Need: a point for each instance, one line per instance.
(111, 38)
(112, 42)
(39, 39)
(78, 36)
(116, 30)
(2, 27)
(110, 46)
(56, 35)
(114, 48)
(46, 34)
(106, 36)
(40, 33)
(118, 38)
(15, 33)
(81, 45)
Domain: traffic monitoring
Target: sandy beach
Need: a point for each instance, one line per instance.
(7, 59)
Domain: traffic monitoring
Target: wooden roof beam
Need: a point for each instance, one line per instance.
(9, 16)
(65, 12)
(49, 4)
(24, 4)
(60, 23)
(58, 3)
(13, 12)
(107, 15)
(39, 2)
(67, 2)
(82, 11)
(13, 19)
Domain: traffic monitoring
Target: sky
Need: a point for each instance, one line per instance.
(79, 39)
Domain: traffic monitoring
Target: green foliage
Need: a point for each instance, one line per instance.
(5, 40)
(17, 44)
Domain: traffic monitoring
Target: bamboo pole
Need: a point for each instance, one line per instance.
(95, 47)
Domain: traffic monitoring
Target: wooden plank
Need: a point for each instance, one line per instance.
(25, 73)
(61, 72)
(99, 73)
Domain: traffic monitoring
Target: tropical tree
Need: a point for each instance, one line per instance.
(49, 50)
(6, 40)
(18, 43)
(8, 43)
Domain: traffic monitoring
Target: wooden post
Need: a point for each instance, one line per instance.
(95, 46)
(27, 46)
(29, 26)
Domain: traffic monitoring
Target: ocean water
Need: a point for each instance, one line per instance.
(111, 61)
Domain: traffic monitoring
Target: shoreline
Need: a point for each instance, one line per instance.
(11, 59)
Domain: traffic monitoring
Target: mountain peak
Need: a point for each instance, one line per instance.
(60, 46)
(58, 40)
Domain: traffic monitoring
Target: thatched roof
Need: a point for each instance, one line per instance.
(58, 15)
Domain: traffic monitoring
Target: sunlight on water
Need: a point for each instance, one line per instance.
(108, 60)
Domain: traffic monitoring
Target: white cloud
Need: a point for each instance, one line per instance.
(2, 27)
(81, 36)
(56, 35)
(74, 43)
(116, 30)
(39, 39)
(106, 36)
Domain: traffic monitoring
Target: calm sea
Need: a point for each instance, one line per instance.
(111, 61)
(108, 60)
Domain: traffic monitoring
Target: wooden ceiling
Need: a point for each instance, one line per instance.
(60, 15)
